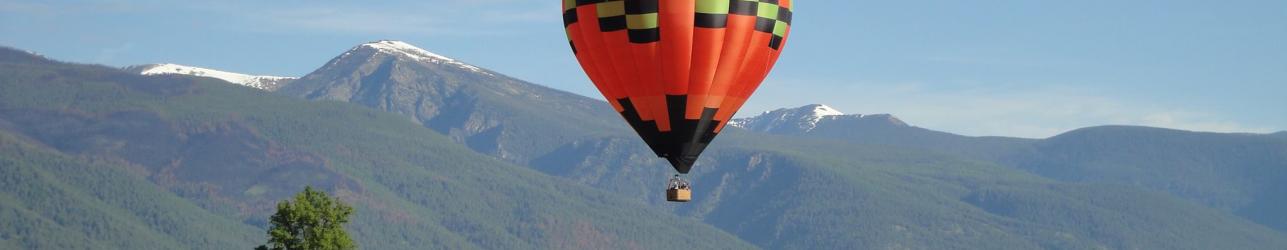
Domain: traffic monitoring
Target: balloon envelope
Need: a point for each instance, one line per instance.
(677, 70)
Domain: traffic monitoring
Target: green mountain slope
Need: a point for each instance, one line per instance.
(1240, 173)
(234, 151)
(1243, 173)
(55, 201)
(905, 196)
(788, 192)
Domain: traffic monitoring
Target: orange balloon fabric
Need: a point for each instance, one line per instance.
(677, 70)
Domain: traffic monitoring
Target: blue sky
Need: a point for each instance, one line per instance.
(1014, 68)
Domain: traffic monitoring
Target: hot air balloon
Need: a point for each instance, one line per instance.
(677, 70)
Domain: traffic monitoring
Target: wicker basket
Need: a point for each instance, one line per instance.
(679, 195)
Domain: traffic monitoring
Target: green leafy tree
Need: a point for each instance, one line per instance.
(313, 220)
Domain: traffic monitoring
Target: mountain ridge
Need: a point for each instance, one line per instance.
(473, 106)
(1240, 185)
(268, 83)
(1236, 172)
(804, 119)
(413, 52)
(878, 129)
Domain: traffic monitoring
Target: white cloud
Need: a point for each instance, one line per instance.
(1005, 110)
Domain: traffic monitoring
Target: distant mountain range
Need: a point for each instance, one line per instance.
(808, 177)
(93, 157)
(812, 121)
(803, 119)
(1238, 173)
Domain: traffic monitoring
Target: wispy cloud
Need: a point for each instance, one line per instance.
(331, 19)
(466, 18)
(1033, 112)
(20, 6)
(451, 17)
(58, 8)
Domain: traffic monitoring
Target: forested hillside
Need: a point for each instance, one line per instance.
(206, 154)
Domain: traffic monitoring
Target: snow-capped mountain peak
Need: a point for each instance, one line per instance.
(406, 50)
(254, 81)
(390, 46)
(804, 119)
(820, 110)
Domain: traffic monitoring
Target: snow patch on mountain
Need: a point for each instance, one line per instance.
(803, 119)
(34, 53)
(820, 110)
(254, 81)
(403, 49)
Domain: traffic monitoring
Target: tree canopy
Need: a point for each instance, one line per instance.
(313, 220)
